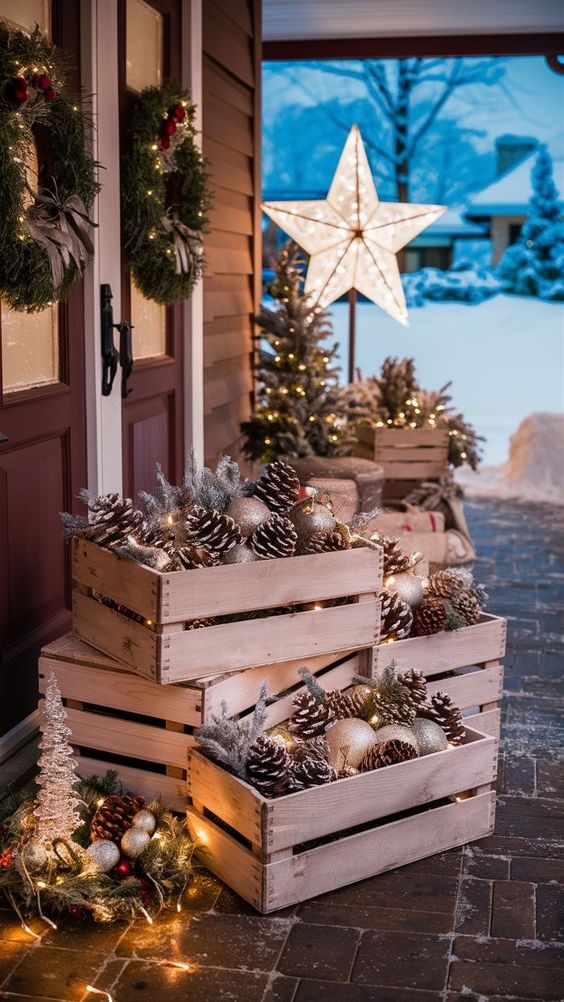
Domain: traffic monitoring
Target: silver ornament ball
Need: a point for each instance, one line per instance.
(133, 841)
(144, 819)
(310, 518)
(104, 853)
(397, 732)
(347, 742)
(430, 736)
(241, 553)
(248, 513)
(406, 586)
(35, 855)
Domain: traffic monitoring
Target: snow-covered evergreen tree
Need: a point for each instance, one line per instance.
(534, 266)
(57, 800)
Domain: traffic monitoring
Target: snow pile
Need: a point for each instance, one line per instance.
(534, 470)
(463, 283)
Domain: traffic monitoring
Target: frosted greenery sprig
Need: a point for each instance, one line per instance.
(227, 741)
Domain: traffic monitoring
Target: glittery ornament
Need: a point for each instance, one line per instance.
(239, 554)
(248, 513)
(144, 819)
(35, 856)
(347, 742)
(104, 854)
(123, 870)
(134, 841)
(348, 771)
(430, 737)
(397, 732)
(309, 518)
(407, 587)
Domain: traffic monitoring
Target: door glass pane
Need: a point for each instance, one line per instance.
(143, 46)
(149, 321)
(30, 349)
(25, 14)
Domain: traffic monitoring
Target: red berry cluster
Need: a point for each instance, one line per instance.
(169, 124)
(124, 869)
(17, 89)
(6, 858)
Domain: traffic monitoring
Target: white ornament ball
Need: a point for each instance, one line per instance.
(430, 736)
(397, 732)
(104, 853)
(248, 513)
(146, 820)
(35, 855)
(406, 586)
(347, 742)
(133, 841)
(241, 553)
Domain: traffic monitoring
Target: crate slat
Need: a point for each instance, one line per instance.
(406, 454)
(422, 470)
(485, 685)
(412, 436)
(124, 737)
(233, 801)
(98, 568)
(140, 781)
(485, 641)
(122, 638)
(488, 721)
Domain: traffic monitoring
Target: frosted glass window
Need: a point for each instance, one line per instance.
(25, 14)
(149, 321)
(30, 348)
(143, 46)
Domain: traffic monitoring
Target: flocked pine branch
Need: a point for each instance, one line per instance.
(317, 691)
(227, 741)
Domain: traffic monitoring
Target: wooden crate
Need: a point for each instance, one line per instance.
(465, 663)
(122, 721)
(161, 647)
(408, 456)
(262, 848)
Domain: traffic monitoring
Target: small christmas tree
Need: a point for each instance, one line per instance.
(534, 266)
(57, 800)
(298, 402)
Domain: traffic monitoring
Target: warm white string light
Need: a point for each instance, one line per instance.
(98, 991)
(353, 238)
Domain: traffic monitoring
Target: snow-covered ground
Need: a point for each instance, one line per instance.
(505, 357)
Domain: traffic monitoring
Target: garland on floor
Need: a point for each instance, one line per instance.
(45, 230)
(165, 196)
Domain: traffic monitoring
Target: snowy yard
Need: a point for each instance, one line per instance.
(505, 357)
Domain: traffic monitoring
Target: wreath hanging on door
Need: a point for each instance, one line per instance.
(165, 195)
(45, 230)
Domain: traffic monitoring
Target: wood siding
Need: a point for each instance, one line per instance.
(231, 129)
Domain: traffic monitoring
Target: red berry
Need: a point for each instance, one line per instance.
(165, 142)
(179, 112)
(50, 94)
(123, 869)
(43, 82)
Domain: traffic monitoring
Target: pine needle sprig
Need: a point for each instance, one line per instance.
(227, 740)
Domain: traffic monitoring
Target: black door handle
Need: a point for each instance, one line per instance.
(110, 355)
(125, 355)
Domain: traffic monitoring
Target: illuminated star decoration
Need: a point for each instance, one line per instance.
(353, 238)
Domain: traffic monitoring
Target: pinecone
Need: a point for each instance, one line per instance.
(396, 618)
(190, 557)
(467, 605)
(447, 583)
(274, 538)
(162, 538)
(311, 748)
(279, 487)
(387, 753)
(212, 530)
(326, 542)
(309, 718)
(311, 772)
(112, 520)
(442, 710)
(114, 816)
(415, 682)
(390, 701)
(429, 617)
(350, 703)
(268, 766)
(396, 561)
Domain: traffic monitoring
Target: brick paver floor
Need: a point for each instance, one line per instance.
(483, 923)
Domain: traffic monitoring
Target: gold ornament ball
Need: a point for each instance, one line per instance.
(239, 554)
(311, 518)
(134, 841)
(104, 853)
(35, 855)
(430, 736)
(397, 732)
(347, 742)
(248, 513)
(348, 771)
(144, 819)
(282, 737)
(408, 587)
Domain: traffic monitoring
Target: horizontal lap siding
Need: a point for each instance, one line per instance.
(231, 34)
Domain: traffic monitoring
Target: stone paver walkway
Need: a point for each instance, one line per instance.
(484, 923)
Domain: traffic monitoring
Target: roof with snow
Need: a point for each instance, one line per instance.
(509, 195)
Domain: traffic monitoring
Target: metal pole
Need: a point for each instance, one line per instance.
(352, 334)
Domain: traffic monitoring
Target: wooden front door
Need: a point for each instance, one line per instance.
(42, 457)
(149, 37)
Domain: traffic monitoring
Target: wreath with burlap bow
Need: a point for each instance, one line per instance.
(165, 195)
(48, 177)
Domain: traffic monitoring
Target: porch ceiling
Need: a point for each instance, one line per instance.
(333, 19)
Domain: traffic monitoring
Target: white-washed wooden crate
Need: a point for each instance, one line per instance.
(262, 848)
(120, 720)
(465, 663)
(161, 646)
(408, 455)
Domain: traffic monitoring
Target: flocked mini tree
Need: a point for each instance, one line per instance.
(56, 809)
(534, 266)
(298, 399)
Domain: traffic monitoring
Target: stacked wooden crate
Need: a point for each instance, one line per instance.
(407, 455)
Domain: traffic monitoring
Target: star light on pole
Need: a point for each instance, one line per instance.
(353, 238)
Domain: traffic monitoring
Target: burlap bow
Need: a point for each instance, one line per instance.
(62, 228)
(187, 243)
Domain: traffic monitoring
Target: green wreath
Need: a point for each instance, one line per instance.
(165, 195)
(45, 239)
